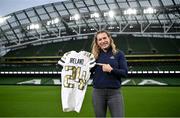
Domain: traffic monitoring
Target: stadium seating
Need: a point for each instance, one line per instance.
(127, 43)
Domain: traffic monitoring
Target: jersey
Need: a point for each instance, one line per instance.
(74, 78)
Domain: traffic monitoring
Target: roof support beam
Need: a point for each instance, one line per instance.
(146, 27)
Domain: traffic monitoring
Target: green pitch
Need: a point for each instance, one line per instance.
(44, 101)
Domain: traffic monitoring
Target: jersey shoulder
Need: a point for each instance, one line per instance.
(91, 59)
(87, 54)
(65, 56)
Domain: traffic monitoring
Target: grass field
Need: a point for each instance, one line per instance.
(44, 101)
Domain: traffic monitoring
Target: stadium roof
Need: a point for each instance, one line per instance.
(74, 18)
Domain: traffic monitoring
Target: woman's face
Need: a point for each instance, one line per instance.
(103, 41)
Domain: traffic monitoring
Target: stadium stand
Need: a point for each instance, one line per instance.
(127, 43)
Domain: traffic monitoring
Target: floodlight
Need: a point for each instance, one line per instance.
(56, 20)
(149, 10)
(110, 14)
(2, 19)
(95, 15)
(130, 11)
(33, 26)
(48, 23)
(52, 22)
(75, 17)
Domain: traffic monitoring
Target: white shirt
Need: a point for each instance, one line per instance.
(74, 77)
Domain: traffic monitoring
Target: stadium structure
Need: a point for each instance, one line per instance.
(148, 32)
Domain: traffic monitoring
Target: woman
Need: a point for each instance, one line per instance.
(111, 66)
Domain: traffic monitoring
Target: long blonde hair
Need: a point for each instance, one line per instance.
(95, 49)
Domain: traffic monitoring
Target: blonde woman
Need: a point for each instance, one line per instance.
(111, 66)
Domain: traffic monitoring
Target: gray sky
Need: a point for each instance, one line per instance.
(9, 6)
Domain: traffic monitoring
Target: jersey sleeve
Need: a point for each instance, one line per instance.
(64, 57)
(91, 60)
(62, 60)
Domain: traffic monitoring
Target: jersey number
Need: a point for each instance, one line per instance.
(75, 77)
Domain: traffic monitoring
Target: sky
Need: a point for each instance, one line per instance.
(10, 6)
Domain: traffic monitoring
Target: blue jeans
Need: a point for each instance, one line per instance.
(111, 98)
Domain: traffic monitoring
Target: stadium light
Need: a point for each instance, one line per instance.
(95, 15)
(75, 17)
(52, 22)
(111, 27)
(55, 21)
(48, 23)
(33, 26)
(149, 10)
(111, 14)
(2, 19)
(130, 11)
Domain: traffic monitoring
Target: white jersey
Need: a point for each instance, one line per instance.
(74, 77)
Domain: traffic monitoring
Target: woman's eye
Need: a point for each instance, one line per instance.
(105, 38)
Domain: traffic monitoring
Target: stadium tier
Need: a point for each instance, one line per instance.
(127, 43)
